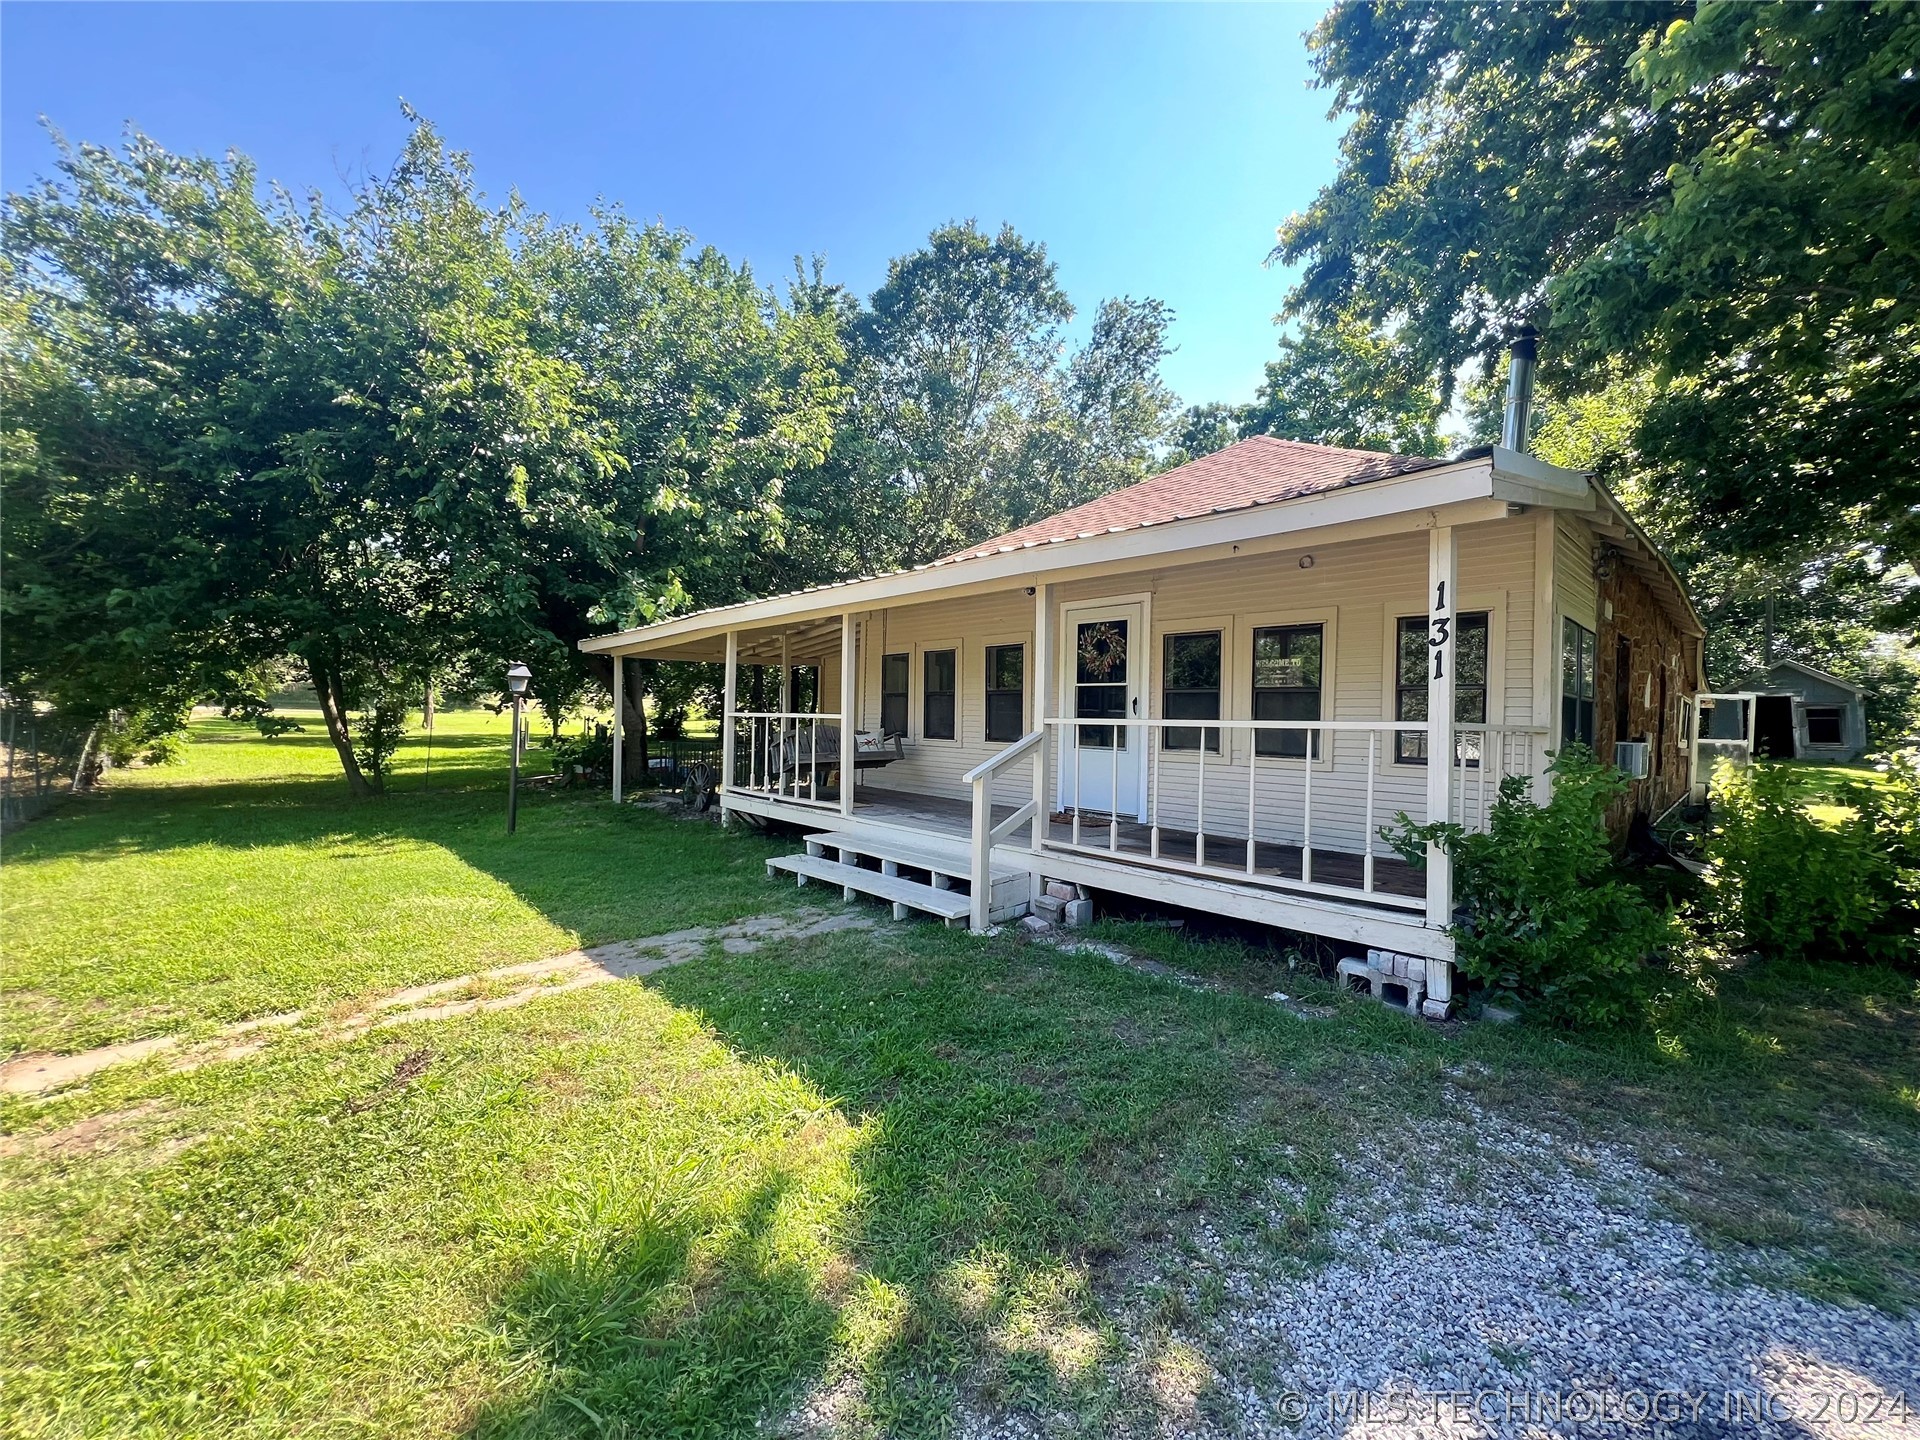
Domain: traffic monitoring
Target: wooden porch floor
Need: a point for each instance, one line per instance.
(1226, 854)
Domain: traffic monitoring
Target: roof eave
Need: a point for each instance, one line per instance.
(1415, 492)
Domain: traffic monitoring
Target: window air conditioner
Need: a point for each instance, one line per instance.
(1631, 757)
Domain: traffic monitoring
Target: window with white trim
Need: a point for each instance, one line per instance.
(1410, 680)
(1190, 675)
(1287, 669)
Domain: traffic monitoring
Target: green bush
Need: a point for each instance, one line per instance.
(1550, 920)
(592, 753)
(1790, 886)
(150, 737)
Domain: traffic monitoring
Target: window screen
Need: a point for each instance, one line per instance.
(1576, 683)
(937, 699)
(1286, 686)
(895, 673)
(1410, 682)
(1190, 689)
(1006, 692)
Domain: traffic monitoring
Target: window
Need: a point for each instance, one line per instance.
(1410, 683)
(1006, 692)
(1576, 682)
(1622, 688)
(895, 672)
(936, 699)
(1286, 686)
(1190, 689)
(803, 693)
(1824, 725)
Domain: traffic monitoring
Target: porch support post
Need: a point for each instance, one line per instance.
(619, 697)
(1043, 709)
(1546, 655)
(729, 705)
(1442, 573)
(849, 698)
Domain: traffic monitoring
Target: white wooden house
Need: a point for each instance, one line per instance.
(1209, 690)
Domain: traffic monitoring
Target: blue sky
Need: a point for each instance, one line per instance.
(1153, 148)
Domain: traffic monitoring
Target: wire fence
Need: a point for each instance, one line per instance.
(47, 758)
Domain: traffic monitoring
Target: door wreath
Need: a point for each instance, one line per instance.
(1103, 649)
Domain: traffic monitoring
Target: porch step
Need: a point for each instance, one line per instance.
(949, 905)
(944, 861)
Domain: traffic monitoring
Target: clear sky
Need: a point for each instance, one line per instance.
(1152, 148)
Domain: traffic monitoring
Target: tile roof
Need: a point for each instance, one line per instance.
(1256, 471)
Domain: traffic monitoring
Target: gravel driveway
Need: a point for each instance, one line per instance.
(1530, 1288)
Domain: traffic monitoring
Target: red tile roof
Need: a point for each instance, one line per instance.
(1256, 471)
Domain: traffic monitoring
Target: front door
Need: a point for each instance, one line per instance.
(1105, 662)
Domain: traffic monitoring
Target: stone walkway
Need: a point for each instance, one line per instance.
(502, 988)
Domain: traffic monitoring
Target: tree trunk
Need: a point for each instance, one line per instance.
(83, 773)
(633, 723)
(333, 709)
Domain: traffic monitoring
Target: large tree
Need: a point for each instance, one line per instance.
(1720, 196)
(712, 394)
(1345, 383)
(250, 429)
(969, 415)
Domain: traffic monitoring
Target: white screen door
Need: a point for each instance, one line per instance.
(1105, 674)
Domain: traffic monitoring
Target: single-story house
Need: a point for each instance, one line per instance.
(1210, 690)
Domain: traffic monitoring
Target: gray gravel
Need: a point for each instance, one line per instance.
(1527, 1287)
(1542, 1296)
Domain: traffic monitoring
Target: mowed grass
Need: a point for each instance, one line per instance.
(913, 1174)
(244, 882)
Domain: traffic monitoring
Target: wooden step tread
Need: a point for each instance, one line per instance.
(947, 904)
(956, 861)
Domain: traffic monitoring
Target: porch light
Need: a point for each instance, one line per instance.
(517, 677)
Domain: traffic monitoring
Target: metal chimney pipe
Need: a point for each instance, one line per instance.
(1526, 349)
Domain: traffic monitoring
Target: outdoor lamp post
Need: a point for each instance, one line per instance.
(517, 678)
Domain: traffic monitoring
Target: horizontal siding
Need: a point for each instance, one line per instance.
(1356, 590)
(1574, 587)
(937, 767)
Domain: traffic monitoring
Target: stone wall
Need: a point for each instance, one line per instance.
(1663, 670)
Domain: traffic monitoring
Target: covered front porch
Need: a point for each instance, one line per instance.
(1231, 733)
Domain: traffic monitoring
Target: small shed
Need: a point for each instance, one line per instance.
(1806, 714)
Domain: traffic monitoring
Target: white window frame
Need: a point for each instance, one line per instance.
(1494, 603)
(917, 683)
(1327, 617)
(977, 657)
(1227, 625)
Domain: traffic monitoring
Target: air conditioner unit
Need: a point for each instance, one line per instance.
(1631, 757)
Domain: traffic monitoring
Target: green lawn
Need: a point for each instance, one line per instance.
(1820, 785)
(905, 1165)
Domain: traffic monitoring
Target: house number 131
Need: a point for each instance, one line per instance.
(1442, 625)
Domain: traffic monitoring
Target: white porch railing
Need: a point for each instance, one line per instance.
(785, 754)
(1213, 806)
(1484, 755)
(986, 834)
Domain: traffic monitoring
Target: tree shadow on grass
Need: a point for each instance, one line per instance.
(1022, 1135)
(649, 1330)
(1038, 1133)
